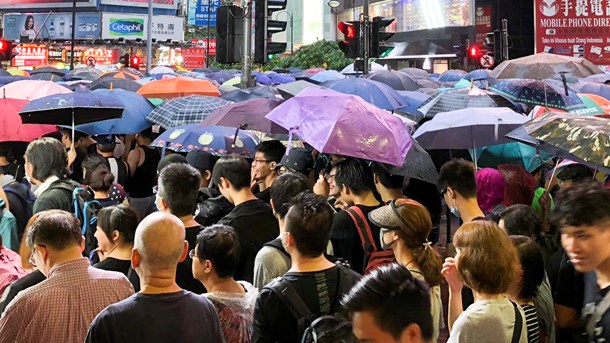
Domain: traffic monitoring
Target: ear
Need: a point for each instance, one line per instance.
(207, 175)
(164, 203)
(376, 178)
(116, 235)
(208, 267)
(185, 251)
(82, 243)
(289, 240)
(345, 190)
(272, 165)
(451, 192)
(412, 333)
(135, 258)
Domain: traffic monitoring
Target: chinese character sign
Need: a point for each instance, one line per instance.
(578, 28)
(206, 10)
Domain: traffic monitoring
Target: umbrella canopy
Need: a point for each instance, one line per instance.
(120, 75)
(4, 73)
(477, 75)
(76, 86)
(416, 73)
(161, 70)
(246, 115)
(178, 87)
(427, 83)
(186, 110)
(418, 165)
(133, 120)
(594, 105)
(325, 120)
(544, 66)
(463, 98)
(327, 75)
(221, 76)
(374, 67)
(12, 128)
(217, 140)
(452, 75)
(17, 72)
(32, 89)
(535, 92)
(600, 89)
(5, 80)
(46, 77)
(233, 81)
(86, 73)
(510, 153)
(280, 79)
(376, 93)
(413, 99)
(48, 70)
(599, 78)
(585, 137)
(292, 89)
(72, 109)
(395, 79)
(114, 83)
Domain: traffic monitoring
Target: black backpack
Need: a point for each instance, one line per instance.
(25, 196)
(330, 327)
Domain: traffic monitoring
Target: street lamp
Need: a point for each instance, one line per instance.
(291, 29)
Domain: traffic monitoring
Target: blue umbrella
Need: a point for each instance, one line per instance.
(452, 75)
(217, 140)
(476, 75)
(327, 75)
(262, 79)
(413, 99)
(535, 92)
(600, 89)
(115, 83)
(416, 73)
(133, 121)
(5, 80)
(185, 110)
(457, 99)
(280, 78)
(221, 76)
(395, 79)
(376, 93)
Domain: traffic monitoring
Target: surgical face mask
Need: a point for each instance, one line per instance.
(384, 245)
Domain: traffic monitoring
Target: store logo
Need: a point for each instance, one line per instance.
(549, 7)
(126, 27)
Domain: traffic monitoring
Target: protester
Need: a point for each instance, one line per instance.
(582, 213)
(251, 217)
(490, 192)
(574, 174)
(215, 258)
(297, 160)
(10, 267)
(318, 282)
(8, 163)
(204, 162)
(83, 146)
(162, 311)
(390, 305)
(458, 186)
(116, 227)
(405, 226)
(426, 193)
(272, 260)
(143, 161)
(522, 220)
(119, 168)
(387, 185)
(487, 263)
(520, 185)
(354, 179)
(54, 310)
(98, 165)
(268, 155)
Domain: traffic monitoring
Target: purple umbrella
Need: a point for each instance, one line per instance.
(326, 120)
(280, 78)
(245, 115)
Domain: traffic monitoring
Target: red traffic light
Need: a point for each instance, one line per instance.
(135, 61)
(474, 51)
(4, 45)
(347, 29)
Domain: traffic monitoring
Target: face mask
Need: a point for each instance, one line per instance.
(455, 211)
(384, 245)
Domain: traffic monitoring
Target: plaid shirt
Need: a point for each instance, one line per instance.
(61, 308)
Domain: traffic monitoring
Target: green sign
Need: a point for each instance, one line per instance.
(126, 27)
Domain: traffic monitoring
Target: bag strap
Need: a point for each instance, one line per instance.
(364, 230)
(594, 314)
(277, 244)
(518, 324)
(294, 302)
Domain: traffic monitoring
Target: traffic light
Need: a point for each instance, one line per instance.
(135, 62)
(124, 60)
(265, 28)
(460, 52)
(6, 50)
(351, 38)
(229, 34)
(493, 41)
(379, 35)
(474, 52)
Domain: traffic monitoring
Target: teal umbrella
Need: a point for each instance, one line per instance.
(511, 153)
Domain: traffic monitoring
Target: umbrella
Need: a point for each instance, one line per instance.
(114, 83)
(76, 86)
(599, 78)
(161, 70)
(544, 66)
(120, 75)
(535, 92)
(216, 140)
(12, 128)
(32, 89)
(327, 75)
(48, 70)
(281, 78)
(186, 110)
(594, 105)
(600, 89)
(133, 71)
(178, 87)
(413, 99)
(246, 115)
(233, 81)
(476, 75)
(262, 79)
(221, 76)
(395, 79)
(17, 72)
(510, 153)
(585, 137)
(463, 98)
(418, 165)
(325, 120)
(292, 89)
(452, 75)
(4, 73)
(46, 77)
(312, 71)
(426, 83)
(5, 80)
(374, 67)
(133, 120)
(376, 93)
(86, 73)
(416, 73)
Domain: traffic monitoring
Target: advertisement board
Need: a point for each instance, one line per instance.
(30, 55)
(14, 4)
(205, 9)
(168, 4)
(482, 23)
(134, 26)
(573, 28)
(58, 26)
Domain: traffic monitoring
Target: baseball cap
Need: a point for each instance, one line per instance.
(201, 160)
(169, 159)
(298, 159)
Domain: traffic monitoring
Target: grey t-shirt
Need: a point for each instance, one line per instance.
(269, 264)
(488, 321)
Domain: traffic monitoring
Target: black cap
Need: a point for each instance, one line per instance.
(169, 159)
(201, 160)
(298, 159)
(104, 139)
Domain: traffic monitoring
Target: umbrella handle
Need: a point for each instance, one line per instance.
(552, 175)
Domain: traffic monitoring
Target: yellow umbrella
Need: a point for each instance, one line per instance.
(232, 82)
(17, 72)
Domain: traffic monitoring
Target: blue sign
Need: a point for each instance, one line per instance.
(206, 12)
(57, 26)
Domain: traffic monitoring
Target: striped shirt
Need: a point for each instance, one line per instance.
(531, 321)
(61, 308)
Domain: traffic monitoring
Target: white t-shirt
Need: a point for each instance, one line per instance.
(436, 305)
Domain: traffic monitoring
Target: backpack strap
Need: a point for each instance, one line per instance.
(277, 244)
(593, 314)
(293, 301)
(364, 230)
(518, 324)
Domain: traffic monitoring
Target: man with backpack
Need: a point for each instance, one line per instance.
(310, 292)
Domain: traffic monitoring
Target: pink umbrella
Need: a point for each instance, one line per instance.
(32, 89)
(11, 127)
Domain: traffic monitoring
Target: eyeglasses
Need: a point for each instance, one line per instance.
(260, 161)
(192, 254)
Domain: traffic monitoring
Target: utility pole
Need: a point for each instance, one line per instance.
(207, 41)
(246, 77)
(505, 39)
(365, 27)
(466, 57)
(73, 35)
(149, 37)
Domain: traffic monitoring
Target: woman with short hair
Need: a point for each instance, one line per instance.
(116, 228)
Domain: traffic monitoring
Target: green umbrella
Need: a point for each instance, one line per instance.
(156, 101)
(511, 153)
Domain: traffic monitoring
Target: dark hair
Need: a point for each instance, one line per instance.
(94, 161)
(179, 186)
(584, 204)
(394, 298)
(309, 221)
(532, 266)
(48, 157)
(385, 178)
(354, 174)
(458, 174)
(27, 21)
(100, 179)
(106, 147)
(77, 134)
(233, 168)
(273, 150)
(147, 133)
(56, 229)
(577, 173)
(219, 244)
(284, 188)
(120, 218)
(521, 220)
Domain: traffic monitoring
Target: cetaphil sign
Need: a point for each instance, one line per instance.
(134, 26)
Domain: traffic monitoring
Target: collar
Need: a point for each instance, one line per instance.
(69, 266)
(45, 185)
(6, 179)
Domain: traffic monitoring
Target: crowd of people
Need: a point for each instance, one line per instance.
(103, 239)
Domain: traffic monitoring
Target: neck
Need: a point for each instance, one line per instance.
(388, 195)
(405, 257)
(603, 274)
(189, 221)
(107, 154)
(159, 282)
(59, 257)
(306, 264)
(483, 296)
(268, 181)
(365, 199)
(121, 252)
(225, 285)
(100, 194)
(3, 161)
(242, 195)
(281, 223)
(469, 209)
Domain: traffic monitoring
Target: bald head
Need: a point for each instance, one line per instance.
(159, 241)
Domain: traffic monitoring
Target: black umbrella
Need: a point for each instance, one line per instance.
(396, 79)
(289, 90)
(110, 83)
(418, 165)
(46, 77)
(51, 70)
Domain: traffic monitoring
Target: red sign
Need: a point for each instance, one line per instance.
(193, 58)
(202, 43)
(100, 56)
(30, 56)
(482, 22)
(574, 28)
(487, 61)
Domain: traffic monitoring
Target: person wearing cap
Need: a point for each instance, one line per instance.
(170, 159)
(204, 162)
(119, 168)
(268, 155)
(297, 160)
(405, 226)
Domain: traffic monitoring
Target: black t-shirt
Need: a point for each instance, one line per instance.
(162, 318)
(593, 295)
(255, 225)
(346, 240)
(25, 282)
(264, 195)
(114, 264)
(274, 322)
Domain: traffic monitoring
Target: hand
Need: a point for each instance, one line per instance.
(545, 203)
(321, 187)
(452, 276)
(341, 205)
(71, 155)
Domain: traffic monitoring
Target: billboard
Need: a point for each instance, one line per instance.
(10, 4)
(573, 28)
(134, 26)
(57, 26)
(168, 4)
(206, 10)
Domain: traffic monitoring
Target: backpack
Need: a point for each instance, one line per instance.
(329, 327)
(24, 195)
(86, 209)
(373, 256)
